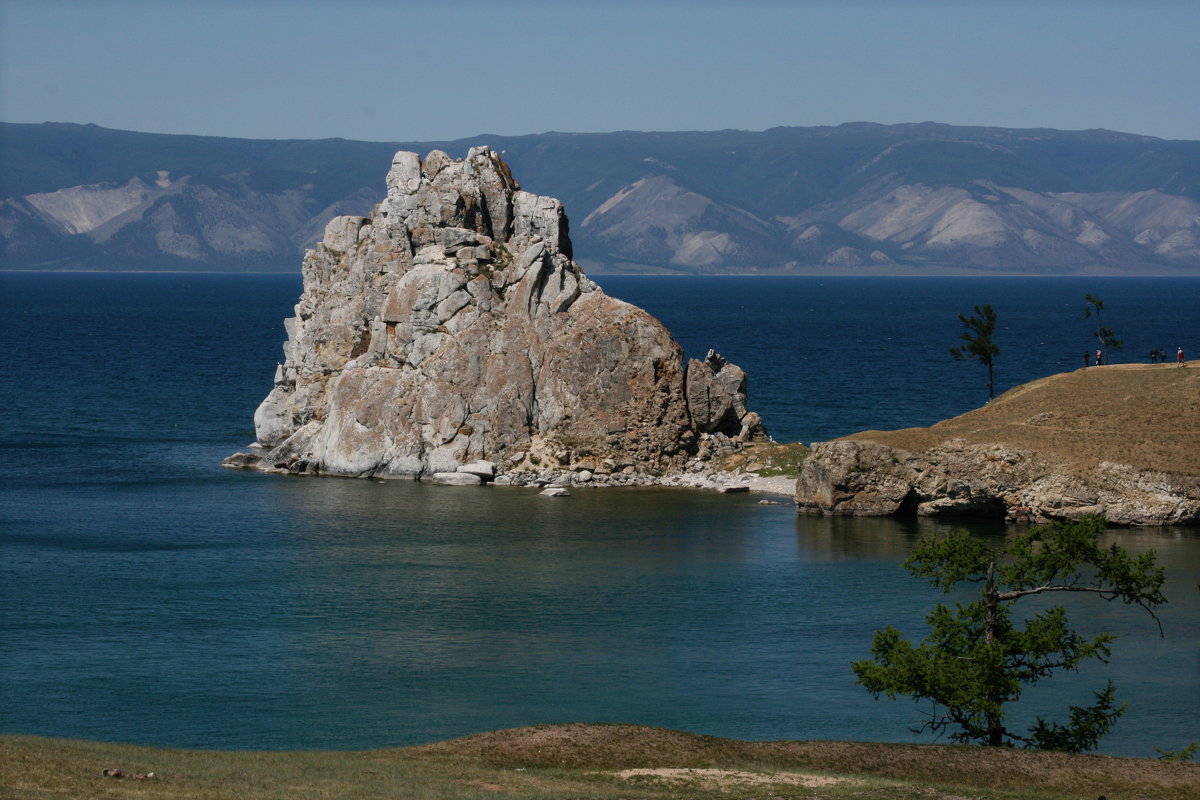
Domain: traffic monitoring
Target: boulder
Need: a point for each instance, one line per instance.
(486, 470)
(450, 331)
(455, 479)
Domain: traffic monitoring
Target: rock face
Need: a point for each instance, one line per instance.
(452, 328)
(863, 478)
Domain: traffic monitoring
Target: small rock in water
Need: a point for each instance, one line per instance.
(456, 479)
(242, 461)
(555, 491)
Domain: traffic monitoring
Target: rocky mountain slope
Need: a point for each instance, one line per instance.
(1120, 440)
(922, 198)
(449, 336)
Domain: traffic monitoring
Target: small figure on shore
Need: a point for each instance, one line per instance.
(1087, 358)
(1179, 357)
(1099, 357)
(1154, 356)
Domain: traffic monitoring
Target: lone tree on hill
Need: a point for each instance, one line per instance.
(1104, 334)
(976, 659)
(978, 338)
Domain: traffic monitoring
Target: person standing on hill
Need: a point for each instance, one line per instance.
(1179, 357)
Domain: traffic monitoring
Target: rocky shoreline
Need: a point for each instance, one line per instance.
(697, 474)
(1120, 440)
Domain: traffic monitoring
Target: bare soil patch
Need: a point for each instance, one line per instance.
(728, 778)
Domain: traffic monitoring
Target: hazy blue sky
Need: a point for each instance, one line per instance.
(394, 71)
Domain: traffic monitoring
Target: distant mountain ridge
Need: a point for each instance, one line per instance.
(921, 198)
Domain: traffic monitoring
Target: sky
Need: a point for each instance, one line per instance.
(418, 71)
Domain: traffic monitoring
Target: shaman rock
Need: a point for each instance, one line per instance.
(451, 327)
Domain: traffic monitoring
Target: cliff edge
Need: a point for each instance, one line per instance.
(450, 335)
(1121, 440)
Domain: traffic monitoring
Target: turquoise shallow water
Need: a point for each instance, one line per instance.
(150, 596)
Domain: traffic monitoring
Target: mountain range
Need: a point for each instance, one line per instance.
(863, 198)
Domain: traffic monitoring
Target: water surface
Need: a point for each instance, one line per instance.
(150, 596)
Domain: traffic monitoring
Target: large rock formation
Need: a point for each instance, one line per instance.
(1121, 441)
(451, 328)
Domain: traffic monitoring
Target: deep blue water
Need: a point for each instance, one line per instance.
(149, 596)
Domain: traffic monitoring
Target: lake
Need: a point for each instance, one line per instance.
(150, 596)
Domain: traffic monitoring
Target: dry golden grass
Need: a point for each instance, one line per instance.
(1143, 415)
(595, 761)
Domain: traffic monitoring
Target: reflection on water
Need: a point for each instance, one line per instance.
(347, 614)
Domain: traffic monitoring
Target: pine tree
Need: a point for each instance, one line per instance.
(1104, 334)
(978, 338)
(977, 658)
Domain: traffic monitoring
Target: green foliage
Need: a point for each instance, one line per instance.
(1182, 754)
(977, 658)
(978, 338)
(1086, 728)
(1104, 334)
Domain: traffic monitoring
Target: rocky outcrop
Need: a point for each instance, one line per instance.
(957, 479)
(716, 398)
(1119, 441)
(450, 336)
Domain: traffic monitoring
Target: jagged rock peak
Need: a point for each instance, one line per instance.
(716, 397)
(452, 328)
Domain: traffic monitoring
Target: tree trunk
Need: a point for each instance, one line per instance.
(995, 725)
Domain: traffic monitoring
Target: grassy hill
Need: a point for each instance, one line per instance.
(1144, 415)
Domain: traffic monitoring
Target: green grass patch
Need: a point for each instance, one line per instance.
(768, 459)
